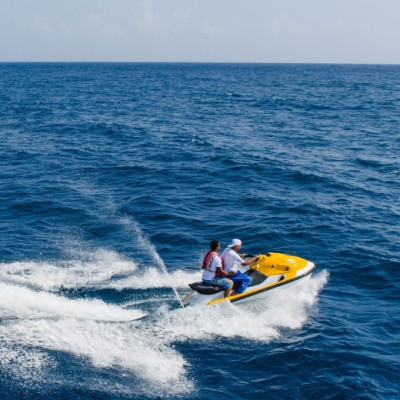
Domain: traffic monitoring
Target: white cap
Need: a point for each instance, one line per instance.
(235, 242)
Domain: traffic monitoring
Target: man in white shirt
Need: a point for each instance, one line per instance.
(231, 260)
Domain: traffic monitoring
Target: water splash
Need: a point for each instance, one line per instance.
(95, 269)
(132, 226)
(100, 269)
(37, 323)
(24, 303)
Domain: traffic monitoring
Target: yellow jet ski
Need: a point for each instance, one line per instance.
(272, 272)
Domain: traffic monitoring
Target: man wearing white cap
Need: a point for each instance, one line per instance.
(230, 262)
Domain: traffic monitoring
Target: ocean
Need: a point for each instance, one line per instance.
(115, 177)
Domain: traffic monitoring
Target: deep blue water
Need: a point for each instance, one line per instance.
(115, 177)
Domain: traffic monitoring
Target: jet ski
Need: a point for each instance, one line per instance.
(272, 272)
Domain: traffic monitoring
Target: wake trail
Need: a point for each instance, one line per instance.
(20, 302)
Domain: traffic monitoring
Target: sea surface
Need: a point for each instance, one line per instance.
(114, 178)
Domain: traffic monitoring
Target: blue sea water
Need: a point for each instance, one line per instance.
(115, 177)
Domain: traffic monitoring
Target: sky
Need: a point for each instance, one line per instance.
(263, 31)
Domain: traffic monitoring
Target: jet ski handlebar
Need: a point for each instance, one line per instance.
(249, 255)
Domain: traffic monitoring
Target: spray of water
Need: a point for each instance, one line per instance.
(36, 323)
(145, 243)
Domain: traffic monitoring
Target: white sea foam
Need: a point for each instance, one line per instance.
(100, 269)
(105, 335)
(131, 226)
(36, 320)
(261, 321)
(95, 269)
(24, 363)
(21, 302)
(153, 278)
(105, 344)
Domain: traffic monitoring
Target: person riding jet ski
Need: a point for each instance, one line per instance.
(213, 274)
(230, 261)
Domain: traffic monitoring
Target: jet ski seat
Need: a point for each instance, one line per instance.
(205, 288)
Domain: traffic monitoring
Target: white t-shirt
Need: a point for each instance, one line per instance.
(208, 275)
(231, 260)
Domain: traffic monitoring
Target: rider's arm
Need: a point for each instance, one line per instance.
(250, 260)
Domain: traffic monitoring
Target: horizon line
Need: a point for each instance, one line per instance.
(199, 62)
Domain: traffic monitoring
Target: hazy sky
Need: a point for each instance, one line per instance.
(315, 31)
